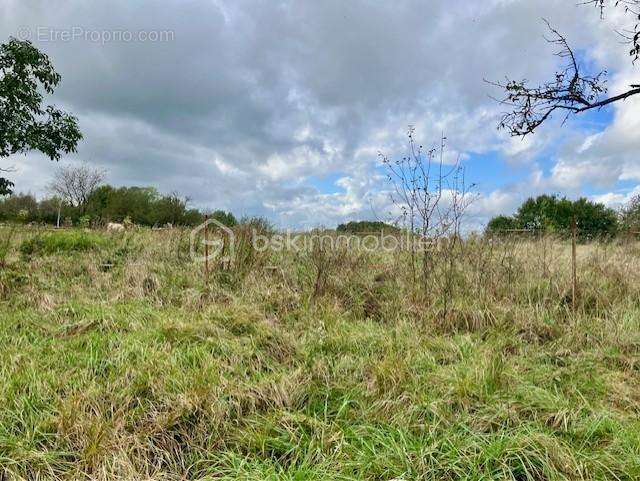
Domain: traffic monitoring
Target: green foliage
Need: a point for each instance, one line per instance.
(25, 124)
(365, 226)
(546, 212)
(225, 218)
(84, 221)
(61, 242)
(501, 224)
(594, 220)
(115, 204)
(19, 207)
(552, 214)
(142, 205)
(23, 208)
(6, 186)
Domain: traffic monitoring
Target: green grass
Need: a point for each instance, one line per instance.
(146, 372)
(61, 242)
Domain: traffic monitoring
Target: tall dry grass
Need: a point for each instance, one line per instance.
(122, 361)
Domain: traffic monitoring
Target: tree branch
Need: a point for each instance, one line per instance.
(571, 91)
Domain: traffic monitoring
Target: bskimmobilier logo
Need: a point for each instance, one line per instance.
(214, 236)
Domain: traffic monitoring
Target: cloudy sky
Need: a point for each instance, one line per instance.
(279, 108)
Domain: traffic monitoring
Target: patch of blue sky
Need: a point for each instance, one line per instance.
(326, 184)
(490, 171)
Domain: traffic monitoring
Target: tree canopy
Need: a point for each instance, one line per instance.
(140, 205)
(25, 123)
(502, 224)
(553, 214)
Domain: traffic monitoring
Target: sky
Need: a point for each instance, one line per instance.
(280, 108)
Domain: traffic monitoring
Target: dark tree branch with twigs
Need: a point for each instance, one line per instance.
(572, 91)
(631, 34)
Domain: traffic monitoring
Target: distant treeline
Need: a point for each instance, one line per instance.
(365, 226)
(553, 214)
(145, 206)
(139, 205)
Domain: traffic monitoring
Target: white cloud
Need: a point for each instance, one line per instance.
(616, 200)
(253, 100)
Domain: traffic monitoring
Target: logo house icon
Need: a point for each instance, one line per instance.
(221, 236)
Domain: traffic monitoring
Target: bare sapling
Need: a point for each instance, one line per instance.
(432, 197)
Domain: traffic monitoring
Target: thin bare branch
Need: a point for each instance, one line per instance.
(572, 91)
(76, 183)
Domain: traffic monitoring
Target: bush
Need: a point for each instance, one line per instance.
(60, 242)
(501, 225)
(85, 221)
(225, 218)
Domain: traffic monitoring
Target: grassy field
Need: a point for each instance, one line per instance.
(118, 361)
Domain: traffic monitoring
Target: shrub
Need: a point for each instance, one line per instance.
(60, 242)
(226, 218)
(501, 224)
(85, 221)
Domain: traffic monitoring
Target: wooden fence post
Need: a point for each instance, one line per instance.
(206, 248)
(574, 278)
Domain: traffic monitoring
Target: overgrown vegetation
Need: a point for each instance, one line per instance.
(60, 243)
(319, 364)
